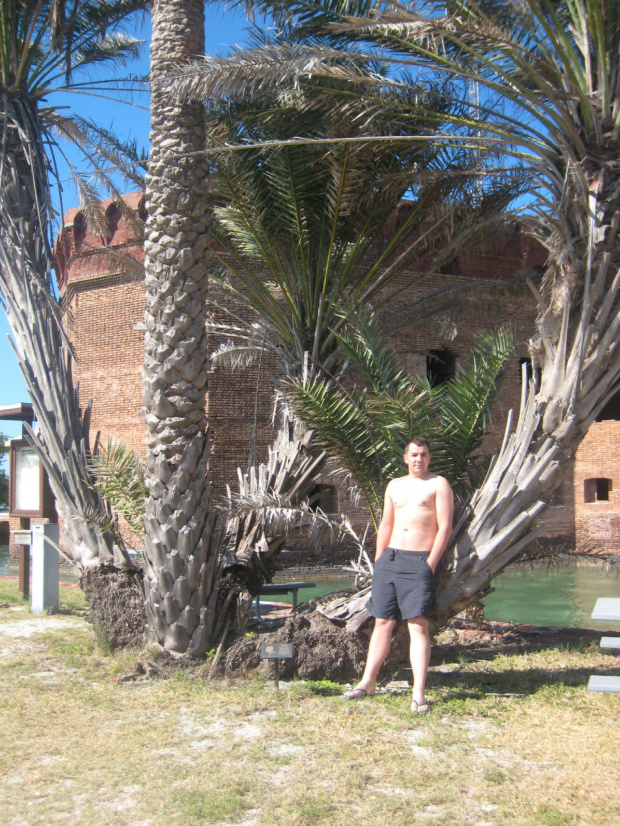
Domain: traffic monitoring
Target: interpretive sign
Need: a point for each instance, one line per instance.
(276, 651)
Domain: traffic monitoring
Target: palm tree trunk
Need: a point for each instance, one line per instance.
(43, 354)
(182, 539)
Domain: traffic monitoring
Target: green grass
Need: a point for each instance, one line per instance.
(9, 594)
(78, 745)
(71, 599)
(550, 816)
(209, 805)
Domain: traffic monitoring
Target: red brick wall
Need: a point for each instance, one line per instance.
(109, 351)
(597, 524)
(103, 304)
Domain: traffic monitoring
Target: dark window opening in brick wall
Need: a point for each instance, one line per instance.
(440, 366)
(113, 216)
(596, 490)
(611, 411)
(79, 229)
(325, 498)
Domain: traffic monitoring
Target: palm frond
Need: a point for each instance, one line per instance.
(251, 72)
(235, 356)
(463, 407)
(361, 341)
(280, 515)
(366, 430)
(119, 478)
(345, 427)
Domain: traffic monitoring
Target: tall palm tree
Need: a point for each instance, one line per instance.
(556, 67)
(43, 46)
(316, 221)
(547, 76)
(181, 540)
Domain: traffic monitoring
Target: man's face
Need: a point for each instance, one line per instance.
(417, 459)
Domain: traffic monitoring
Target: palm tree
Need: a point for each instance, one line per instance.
(556, 66)
(181, 544)
(316, 220)
(547, 76)
(366, 428)
(42, 46)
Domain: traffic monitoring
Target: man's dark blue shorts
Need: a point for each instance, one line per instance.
(403, 585)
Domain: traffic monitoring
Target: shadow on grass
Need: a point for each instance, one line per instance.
(515, 681)
(515, 642)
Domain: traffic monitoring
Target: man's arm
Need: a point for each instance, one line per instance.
(384, 532)
(444, 505)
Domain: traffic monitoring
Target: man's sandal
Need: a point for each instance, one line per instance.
(420, 708)
(357, 694)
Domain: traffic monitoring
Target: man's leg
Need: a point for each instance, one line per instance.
(379, 648)
(420, 655)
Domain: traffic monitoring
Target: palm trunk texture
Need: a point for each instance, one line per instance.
(181, 532)
(44, 357)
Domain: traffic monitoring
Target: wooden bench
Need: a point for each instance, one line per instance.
(606, 609)
(280, 588)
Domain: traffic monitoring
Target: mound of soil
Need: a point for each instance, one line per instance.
(322, 650)
(115, 598)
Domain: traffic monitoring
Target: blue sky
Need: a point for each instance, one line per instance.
(224, 28)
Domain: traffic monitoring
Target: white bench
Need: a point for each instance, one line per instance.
(606, 609)
(610, 642)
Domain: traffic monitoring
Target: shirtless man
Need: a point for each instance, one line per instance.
(413, 534)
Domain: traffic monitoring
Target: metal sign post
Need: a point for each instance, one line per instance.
(276, 651)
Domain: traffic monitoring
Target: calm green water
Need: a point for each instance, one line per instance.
(558, 597)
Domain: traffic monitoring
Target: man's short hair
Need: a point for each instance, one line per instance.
(419, 441)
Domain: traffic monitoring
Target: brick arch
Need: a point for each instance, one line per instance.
(80, 229)
(113, 216)
(142, 210)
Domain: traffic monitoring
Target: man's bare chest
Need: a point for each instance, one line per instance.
(411, 499)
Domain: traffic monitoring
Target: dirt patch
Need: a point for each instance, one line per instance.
(322, 650)
(23, 629)
(115, 597)
(493, 635)
(15, 634)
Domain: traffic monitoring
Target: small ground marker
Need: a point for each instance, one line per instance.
(276, 651)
